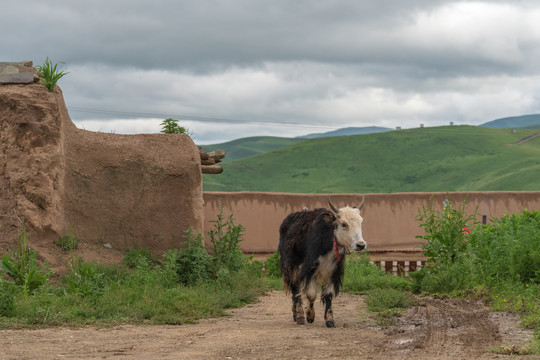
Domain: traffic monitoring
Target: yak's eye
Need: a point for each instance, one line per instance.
(344, 225)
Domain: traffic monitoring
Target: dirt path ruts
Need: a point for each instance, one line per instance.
(436, 329)
(524, 140)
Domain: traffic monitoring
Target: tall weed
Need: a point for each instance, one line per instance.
(7, 297)
(22, 265)
(446, 230)
(192, 262)
(224, 248)
(85, 279)
(509, 248)
(133, 256)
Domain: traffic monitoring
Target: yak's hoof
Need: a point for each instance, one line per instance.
(300, 320)
(310, 320)
(330, 324)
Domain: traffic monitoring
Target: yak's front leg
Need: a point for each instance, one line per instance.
(326, 296)
(297, 307)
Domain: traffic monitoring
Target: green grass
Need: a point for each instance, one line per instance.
(175, 289)
(452, 158)
(386, 304)
(250, 146)
(498, 262)
(69, 241)
(132, 297)
(361, 277)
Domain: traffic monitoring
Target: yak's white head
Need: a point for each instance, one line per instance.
(348, 227)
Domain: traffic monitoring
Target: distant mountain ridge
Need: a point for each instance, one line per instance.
(531, 121)
(347, 131)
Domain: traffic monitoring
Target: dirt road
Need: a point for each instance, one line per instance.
(435, 329)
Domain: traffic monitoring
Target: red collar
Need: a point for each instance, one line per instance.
(338, 257)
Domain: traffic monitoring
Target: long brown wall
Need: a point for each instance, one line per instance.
(390, 219)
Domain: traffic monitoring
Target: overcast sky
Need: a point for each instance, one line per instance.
(238, 68)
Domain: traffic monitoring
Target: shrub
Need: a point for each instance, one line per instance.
(224, 248)
(192, 262)
(7, 297)
(196, 263)
(68, 242)
(509, 249)
(254, 266)
(445, 231)
(170, 126)
(272, 265)
(134, 256)
(85, 279)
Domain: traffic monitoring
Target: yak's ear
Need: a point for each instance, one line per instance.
(328, 217)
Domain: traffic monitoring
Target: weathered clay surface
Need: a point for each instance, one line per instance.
(124, 190)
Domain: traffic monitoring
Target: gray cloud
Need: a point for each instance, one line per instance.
(334, 64)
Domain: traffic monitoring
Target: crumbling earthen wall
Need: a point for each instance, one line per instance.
(124, 190)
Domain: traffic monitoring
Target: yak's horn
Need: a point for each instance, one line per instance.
(332, 206)
(362, 204)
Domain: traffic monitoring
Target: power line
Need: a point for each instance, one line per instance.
(197, 118)
(251, 122)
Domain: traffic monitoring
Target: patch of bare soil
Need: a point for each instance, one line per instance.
(435, 329)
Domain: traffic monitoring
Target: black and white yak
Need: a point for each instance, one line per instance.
(312, 246)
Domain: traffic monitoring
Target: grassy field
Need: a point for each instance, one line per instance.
(251, 146)
(451, 158)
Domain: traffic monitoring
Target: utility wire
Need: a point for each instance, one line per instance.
(239, 121)
(197, 118)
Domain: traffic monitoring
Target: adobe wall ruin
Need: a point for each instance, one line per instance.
(123, 190)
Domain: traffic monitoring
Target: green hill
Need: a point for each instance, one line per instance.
(525, 122)
(348, 131)
(453, 158)
(250, 146)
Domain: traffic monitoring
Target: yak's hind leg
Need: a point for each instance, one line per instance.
(311, 294)
(326, 297)
(297, 306)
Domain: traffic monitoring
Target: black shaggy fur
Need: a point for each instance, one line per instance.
(304, 237)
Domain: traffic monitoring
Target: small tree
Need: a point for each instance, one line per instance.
(170, 126)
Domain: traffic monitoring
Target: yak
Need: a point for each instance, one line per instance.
(312, 247)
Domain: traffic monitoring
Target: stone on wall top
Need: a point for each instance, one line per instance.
(21, 72)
